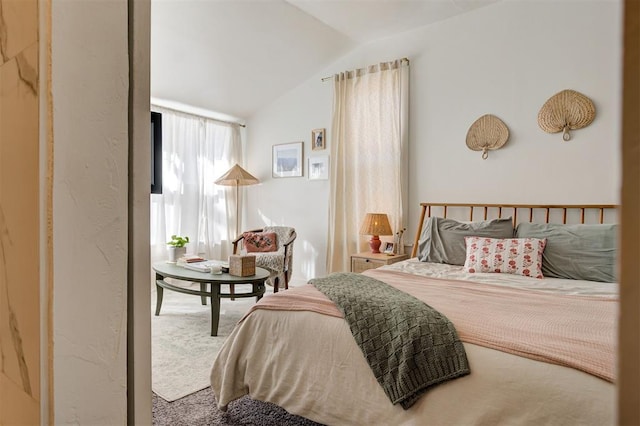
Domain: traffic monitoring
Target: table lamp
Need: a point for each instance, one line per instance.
(375, 224)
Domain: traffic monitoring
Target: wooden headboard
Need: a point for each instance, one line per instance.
(539, 213)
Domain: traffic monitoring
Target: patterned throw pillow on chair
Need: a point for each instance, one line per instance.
(259, 241)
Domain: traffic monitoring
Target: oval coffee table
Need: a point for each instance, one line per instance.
(171, 270)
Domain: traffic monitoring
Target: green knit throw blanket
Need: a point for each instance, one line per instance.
(409, 345)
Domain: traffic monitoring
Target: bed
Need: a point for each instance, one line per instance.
(539, 337)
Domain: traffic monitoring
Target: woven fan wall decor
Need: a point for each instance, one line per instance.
(487, 132)
(564, 111)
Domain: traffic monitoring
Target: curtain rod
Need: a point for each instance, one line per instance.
(331, 77)
(233, 123)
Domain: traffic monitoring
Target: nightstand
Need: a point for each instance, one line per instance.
(360, 262)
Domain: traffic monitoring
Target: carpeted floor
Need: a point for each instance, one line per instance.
(183, 352)
(199, 409)
(182, 348)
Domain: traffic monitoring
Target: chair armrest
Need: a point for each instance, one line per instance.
(235, 244)
(287, 254)
(291, 239)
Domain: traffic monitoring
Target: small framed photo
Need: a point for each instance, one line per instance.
(318, 168)
(318, 140)
(287, 160)
(389, 248)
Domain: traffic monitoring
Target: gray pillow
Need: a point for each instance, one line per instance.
(442, 240)
(578, 252)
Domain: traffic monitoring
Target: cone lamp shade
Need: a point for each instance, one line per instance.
(375, 224)
(237, 176)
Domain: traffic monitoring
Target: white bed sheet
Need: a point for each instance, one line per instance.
(309, 364)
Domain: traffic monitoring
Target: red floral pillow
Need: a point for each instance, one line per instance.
(259, 241)
(521, 256)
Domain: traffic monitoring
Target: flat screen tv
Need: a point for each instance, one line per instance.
(156, 153)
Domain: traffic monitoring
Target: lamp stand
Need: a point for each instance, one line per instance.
(237, 210)
(374, 244)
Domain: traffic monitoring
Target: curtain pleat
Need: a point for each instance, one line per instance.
(369, 154)
(195, 152)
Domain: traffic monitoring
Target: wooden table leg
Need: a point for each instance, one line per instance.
(215, 308)
(159, 294)
(256, 288)
(203, 288)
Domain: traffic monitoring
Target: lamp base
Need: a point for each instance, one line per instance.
(374, 244)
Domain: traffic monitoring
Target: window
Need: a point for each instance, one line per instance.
(156, 153)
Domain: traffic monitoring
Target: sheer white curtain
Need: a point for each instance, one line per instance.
(369, 155)
(195, 152)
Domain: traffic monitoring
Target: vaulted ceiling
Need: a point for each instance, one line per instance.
(236, 56)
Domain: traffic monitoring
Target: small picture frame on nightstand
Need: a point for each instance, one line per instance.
(389, 248)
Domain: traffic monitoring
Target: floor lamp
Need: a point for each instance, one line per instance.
(237, 176)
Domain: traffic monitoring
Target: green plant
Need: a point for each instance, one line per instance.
(177, 241)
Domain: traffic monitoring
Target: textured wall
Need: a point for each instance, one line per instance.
(90, 82)
(19, 214)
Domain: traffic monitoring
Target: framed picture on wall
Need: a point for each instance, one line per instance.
(318, 141)
(318, 168)
(287, 160)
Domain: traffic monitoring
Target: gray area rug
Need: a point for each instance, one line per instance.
(199, 409)
(182, 348)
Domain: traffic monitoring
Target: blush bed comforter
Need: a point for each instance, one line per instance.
(540, 352)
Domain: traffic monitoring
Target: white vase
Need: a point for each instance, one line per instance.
(176, 253)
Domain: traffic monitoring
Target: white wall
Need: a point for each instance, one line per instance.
(297, 202)
(90, 107)
(506, 59)
(139, 295)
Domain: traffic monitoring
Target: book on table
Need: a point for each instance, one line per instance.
(192, 258)
(202, 266)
